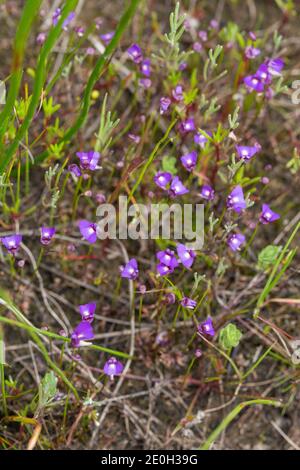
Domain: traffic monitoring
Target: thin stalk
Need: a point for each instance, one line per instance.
(40, 78)
(95, 75)
(30, 10)
(49, 334)
(230, 417)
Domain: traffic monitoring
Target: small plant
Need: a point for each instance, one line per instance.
(230, 336)
(149, 225)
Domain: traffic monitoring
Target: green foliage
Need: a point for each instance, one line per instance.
(169, 164)
(230, 336)
(21, 107)
(294, 163)
(47, 389)
(176, 28)
(49, 108)
(173, 56)
(211, 62)
(268, 256)
(287, 6)
(233, 119)
(56, 150)
(231, 33)
(107, 125)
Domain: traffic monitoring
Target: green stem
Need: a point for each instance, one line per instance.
(2, 373)
(49, 334)
(151, 158)
(30, 10)
(95, 75)
(40, 78)
(230, 417)
(270, 282)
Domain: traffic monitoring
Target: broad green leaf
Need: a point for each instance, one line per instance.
(169, 164)
(267, 257)
(47, 389)
(230, 336)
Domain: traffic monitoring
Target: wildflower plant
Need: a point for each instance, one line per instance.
(191, 112)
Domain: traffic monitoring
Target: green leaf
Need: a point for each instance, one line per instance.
(268, 256)
(169, 164)
(47, 389)
(230, 336)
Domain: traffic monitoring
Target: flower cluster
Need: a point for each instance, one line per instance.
(136, 55)
(168, 261)
(261, 80)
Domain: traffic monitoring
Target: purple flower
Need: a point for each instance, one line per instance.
(200, 139)
(56, 16)
(87, 311)
(145, 82)
(214, 24)
(188, 303)
(198, 353)
(88, 160)
(269, 93)
(162, 179)
(251, 52)
(113, 367)
(68, 20)
(130, 270)
(197, 46)
(135, 138)
(162, 339)
(267, 215)
(163, 269)
(207, 192)
(177, 188)
(235, 240)
(47, 233)
(207, 327)
(182, 66)
(186, 255)
(236, 200)
(135, 53)
(202, 35)
(188, 125)
(80, 31)
(170, 298)
(107, 37)
(75, 170)
(263, 73)
(254, 82)
(167, 257)
(145, 67)
(275, 66)
(247, 152)
(12, 243)
(177, 93)
(164, 104)
(81, 334)
(189, 160)
(41, 38)
(90, 51)
(88, 230)
(252, 36)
